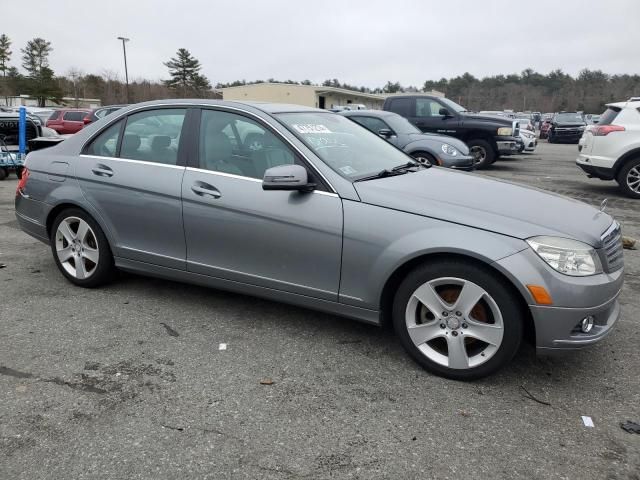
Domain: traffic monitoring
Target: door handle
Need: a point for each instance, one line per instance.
(205, 189)
(102, 171)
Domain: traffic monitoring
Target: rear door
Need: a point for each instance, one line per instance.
(72, 122)
(288, 241)
(132, 173)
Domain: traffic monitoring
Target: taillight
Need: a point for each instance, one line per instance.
(22, 183)
(602, 130)
(87, 119)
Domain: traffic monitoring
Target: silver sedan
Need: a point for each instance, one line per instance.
(304, 206)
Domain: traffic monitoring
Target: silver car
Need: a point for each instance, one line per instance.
(322, 213)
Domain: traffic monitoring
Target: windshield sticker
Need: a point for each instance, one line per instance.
(347, 170)
(311, 128)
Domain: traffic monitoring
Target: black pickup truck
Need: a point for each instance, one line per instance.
(487, 136)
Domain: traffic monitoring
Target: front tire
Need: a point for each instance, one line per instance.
(482, 152)
(80, 249)
(629, 178)
(457, 320)
(425, 158)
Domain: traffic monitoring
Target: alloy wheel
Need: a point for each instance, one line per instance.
(633, 179)
(479, 154)
(77, 247)
(454, 322)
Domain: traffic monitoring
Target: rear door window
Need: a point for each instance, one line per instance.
(153, 135)
(54, 116)
(74, 116)
(105, 144)
(402, 106)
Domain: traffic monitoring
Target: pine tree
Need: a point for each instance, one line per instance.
(5, 56)
(184, 70)
(41, 81)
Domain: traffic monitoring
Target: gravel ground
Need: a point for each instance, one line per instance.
(128, 381)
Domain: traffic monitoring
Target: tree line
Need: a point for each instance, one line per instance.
(589, 91)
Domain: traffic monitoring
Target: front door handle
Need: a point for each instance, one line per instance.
(203, 189)
(102, 171)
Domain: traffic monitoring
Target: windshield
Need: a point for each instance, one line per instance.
(453, 105)
(569, 118)
(401, 125)
(351, 150)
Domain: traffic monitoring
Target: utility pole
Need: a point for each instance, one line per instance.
(126, 73)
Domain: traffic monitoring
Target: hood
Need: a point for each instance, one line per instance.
(488, 204)
(436, 139)
(507, 122)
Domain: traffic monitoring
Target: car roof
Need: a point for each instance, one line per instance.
(634, 104)
(268, 107)
(369, 113)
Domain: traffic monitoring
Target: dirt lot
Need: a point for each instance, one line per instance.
(128, 381)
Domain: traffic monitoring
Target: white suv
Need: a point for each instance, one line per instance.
(610, 150)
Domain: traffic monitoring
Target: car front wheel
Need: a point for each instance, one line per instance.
(425, 158)
(80, 249)
(629, 178)
(457, 320)
(482, 153)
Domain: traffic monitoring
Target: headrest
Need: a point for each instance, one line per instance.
(160, 141)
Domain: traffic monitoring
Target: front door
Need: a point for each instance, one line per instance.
(132, 175)
(428, 117)
(288, 241)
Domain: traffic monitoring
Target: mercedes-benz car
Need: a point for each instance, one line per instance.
(327, 215)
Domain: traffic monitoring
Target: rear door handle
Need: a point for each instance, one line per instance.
(203, 189)
(102, 171)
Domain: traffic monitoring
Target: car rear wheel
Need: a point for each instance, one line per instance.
(457, 320)
(482, 153)
(629, 178)
(425, 158)
(80, 249)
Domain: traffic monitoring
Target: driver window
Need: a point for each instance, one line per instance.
(105, 144)
(371, 123)
(231, 143)
(425, 107)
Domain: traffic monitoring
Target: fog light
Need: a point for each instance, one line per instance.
(586, 324)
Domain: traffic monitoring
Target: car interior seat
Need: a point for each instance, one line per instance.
(130, 145)
(161, 150)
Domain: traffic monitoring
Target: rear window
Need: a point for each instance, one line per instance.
(74, 116)
(402, 106)
(609, 116)
(54, 116)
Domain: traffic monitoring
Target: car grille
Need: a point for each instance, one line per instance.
(612, 248)
(569, 132)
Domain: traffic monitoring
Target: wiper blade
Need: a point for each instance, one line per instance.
(408, 165)
(382, 174)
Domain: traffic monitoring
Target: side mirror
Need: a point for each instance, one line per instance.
(287, 177)
(385, 132)
(444, 112)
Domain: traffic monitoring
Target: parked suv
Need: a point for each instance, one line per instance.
(67, 120)
(487, 136)
(566, 127)
(610, 150)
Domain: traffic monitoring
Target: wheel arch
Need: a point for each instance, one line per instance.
(396, 277)
(55, 211)
(628, 156)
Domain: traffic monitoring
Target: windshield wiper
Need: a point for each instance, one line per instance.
(409, 165)
(382, 174)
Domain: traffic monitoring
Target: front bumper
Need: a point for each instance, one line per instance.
(464, 163)
(506, 145)
(557, 327)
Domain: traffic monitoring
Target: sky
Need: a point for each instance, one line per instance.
(356, 41)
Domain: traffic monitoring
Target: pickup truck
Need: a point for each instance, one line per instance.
(487, 136)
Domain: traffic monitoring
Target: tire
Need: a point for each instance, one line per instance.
(425, 158)
(482, 152)
(3, 173)
(19, 172)
(629, 178)
(551, 139)
(92, 250)
(497, 316)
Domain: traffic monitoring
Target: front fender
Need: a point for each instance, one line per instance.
(378, 241)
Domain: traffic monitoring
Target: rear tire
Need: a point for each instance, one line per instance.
(3, 173)
(629, 178)
(19, 172)
(482, 152)
(80, 249)
(478, 305)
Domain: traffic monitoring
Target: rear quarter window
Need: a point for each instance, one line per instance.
(54, 116)
(74, 116)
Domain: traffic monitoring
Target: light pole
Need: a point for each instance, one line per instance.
(126, 73)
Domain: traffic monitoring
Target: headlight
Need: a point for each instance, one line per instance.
(505, 131)
(527, 134)
(567, 256)
(448, 149)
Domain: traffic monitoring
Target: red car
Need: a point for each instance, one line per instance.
(544, 128)
(67, 120)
